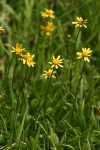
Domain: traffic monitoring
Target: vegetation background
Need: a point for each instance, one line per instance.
(61, 127)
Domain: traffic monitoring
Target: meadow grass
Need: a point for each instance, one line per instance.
(62, 111)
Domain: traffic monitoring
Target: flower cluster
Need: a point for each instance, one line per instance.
(25, 58)
(86, 52)
(48, 27)
(55, 63)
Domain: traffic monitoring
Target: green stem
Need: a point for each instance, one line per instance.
(70, 81)
(15, 68)
(77, 89)
(76, 41)
(71, 71)
(36, 53)
(75, 99)
(67, 49)
(46, 93)
(21, 88)
(8, 68)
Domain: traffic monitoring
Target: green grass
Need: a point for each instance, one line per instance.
(49, 114)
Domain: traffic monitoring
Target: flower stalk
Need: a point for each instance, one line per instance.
(15, 68)
(21, 88)
(77, 89)
(76, 40)
(46, 93)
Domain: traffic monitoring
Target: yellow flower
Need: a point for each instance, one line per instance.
(86, 52)
(80, 22)
(47, 29)
(17, 50)
(56, 62)
(47, 13)
(49, 73)
(1, 28)
(28, 59)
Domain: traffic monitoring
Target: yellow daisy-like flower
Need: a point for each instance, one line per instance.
(28, 59)
(47, 29)
(80, 22)
(86, 52)
(49, 73)
(47, 13)
(1, 28)
(56, 62)
(17, 50)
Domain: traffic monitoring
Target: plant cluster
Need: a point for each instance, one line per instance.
(44, 93)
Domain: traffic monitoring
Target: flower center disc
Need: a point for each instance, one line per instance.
(56, 61)
(26, 57)
(49, 12)
(81, 21)
(47, 29)
(84, 54)
(49, 73)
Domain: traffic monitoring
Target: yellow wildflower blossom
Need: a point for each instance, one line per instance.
(28, 59)
(49, 73)
(47, 29)
(47, 13)
(86, 52)
(17, 50)
(56, 62)
(80, 22)
(1, 28)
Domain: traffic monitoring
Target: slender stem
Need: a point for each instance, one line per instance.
(23, 81)
(21, 87)
(21, 71)
(67, 48)
(70, 80)
(75, 101)
(46, 93)
(71, 71)
(15, 68)
(37, 45)
(8, 68)
(76, 41)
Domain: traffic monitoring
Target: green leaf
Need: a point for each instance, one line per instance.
(53, 137)
(34, 142)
